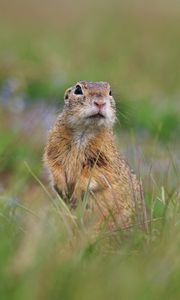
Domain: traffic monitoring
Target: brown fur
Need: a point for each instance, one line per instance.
(76, 162)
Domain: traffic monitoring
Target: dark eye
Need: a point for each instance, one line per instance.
(110, 93)
(78, 90)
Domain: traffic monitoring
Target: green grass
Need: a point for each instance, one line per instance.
(46, 251)
(49, 254)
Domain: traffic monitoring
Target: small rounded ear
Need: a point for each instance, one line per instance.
(66, 95)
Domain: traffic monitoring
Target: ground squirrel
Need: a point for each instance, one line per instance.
(81, 155)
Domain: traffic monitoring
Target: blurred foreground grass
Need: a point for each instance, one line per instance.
(50, 254)
(45, 251)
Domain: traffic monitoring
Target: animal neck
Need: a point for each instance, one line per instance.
(84, 138)
(88, 140)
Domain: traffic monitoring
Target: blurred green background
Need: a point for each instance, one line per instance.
(45, 47)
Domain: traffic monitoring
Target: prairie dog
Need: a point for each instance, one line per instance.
(81, 154)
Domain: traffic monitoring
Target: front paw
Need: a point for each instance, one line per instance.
(60, 193)
(67, 198)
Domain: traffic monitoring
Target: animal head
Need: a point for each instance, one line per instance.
(90, 105)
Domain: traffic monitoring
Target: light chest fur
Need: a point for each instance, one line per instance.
(76, 157)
